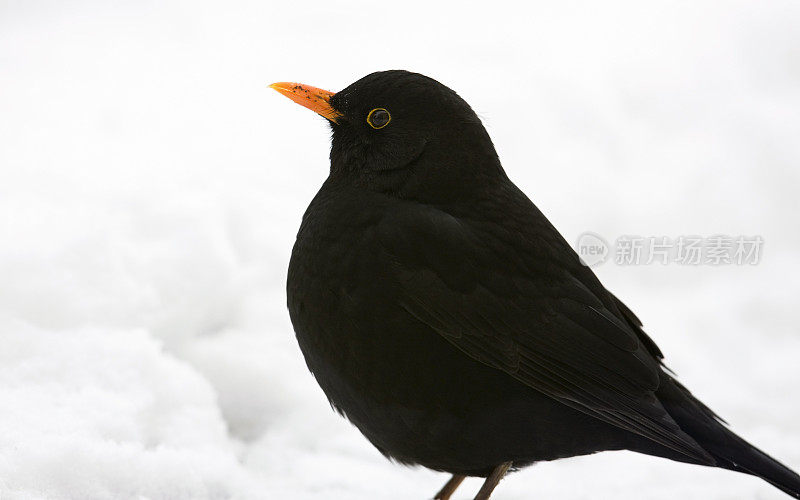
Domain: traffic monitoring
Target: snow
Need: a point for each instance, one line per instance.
(151, 186)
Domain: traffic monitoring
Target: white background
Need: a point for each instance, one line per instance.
(151, 186)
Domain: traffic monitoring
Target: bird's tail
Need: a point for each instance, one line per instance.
(730, 451)
(739, 455)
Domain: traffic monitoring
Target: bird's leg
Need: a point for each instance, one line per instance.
(450, 487)
(491, 482)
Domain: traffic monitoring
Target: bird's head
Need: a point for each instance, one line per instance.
(401, 132)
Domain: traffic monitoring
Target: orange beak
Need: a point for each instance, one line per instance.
(317, 100)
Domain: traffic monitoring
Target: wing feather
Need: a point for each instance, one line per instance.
(547, 329)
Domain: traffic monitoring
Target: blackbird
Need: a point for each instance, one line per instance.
(450, 322)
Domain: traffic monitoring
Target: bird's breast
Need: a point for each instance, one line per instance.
(339, 296)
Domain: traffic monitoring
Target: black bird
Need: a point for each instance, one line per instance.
(446, 318)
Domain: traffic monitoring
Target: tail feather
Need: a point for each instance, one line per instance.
(734, 453)
(729, 450)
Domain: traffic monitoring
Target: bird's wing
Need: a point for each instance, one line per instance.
(521, 311)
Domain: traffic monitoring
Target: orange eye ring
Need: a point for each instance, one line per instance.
(379, 118)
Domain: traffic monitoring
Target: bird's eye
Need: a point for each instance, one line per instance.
(378, 118)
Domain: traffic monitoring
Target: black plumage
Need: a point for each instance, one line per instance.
(446, 318)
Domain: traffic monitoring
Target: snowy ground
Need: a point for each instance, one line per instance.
(151, 186)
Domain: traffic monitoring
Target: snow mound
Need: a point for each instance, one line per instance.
(89, 413)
